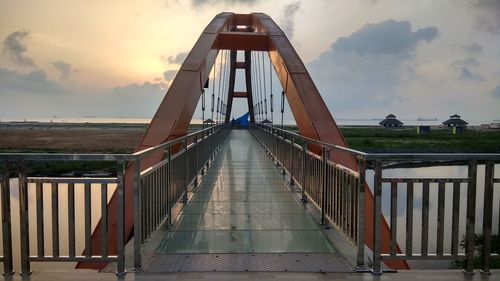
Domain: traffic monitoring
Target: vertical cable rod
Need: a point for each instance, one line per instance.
(213, 88)
(264, 80)
(271, 91)
(218, 92)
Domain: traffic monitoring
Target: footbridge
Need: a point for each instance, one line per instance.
(232, 198)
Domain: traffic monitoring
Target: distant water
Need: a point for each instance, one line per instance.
(339, 121)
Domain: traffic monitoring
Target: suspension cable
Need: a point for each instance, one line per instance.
(262, 85)
(224, 86)
(213, 89)
(254, 87)
(259, 81)
(218, 92)
(283, 100)
(282, 107)
(203, 108)
(226, 99)
(271, 91)
(265, 90)
(261, 111)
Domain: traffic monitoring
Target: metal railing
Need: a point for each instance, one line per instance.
(33, 189)
(6, 255)
(156, 189)
(339, 193)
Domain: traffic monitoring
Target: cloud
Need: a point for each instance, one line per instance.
(496, 92)
(463, 67)
(473, 48)
(138, 90)
(369, 65)
(64, 68)
(15, 49)
(34, 82)
(177, 59)
(471, 62)
(467, 75)
(169, 75)
(388, 37)
(224, 2)
(488, 17)
(288, 19)
(143, 99)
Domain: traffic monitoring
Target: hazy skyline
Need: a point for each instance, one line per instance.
(368, 57)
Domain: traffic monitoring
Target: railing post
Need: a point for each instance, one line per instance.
(324, 191)
(23, 220)
(120, 247)
(203, 153)
(377, 219)
(283, 144)
(291, 160)
(137, 217)
(195, 150)
(212, 147)
(277, 140)
(186, 171)
(169, 184)
(487, 217)
(304, 171)
(360, 259)
(6, 222)
(471, 218)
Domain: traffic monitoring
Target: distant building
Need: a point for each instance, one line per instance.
(391, 121)
(455, 121)
(423, 130)
(495, 125)
(209, 121)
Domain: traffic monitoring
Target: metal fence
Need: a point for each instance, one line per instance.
(431, 185)
(339, 192)
(156, 189)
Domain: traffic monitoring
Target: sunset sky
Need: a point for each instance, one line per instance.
(429, 58)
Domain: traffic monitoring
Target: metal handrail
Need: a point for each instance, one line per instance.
(103, 156)
(145, 152)
(196, 150)
(388, 156)
(314, 141)
(316, 183)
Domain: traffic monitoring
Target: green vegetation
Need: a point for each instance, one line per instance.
(71, 168)
(406, 140)
(478, 244)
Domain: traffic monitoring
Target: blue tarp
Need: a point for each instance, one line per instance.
(241, 121)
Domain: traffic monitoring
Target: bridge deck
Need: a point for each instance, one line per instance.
(243, 210)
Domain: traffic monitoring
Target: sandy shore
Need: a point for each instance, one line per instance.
(84, 138)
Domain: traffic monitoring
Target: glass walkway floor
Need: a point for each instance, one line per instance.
(242, 206)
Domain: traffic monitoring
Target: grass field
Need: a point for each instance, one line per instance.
(406, 140)
(121, 138)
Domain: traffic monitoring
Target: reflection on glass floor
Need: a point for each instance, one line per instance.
(243, 206)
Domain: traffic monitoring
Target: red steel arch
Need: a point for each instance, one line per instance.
(229, 31)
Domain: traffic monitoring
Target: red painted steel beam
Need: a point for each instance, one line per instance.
(311, 114)
(177, 108)
(246, 41)
(170, 121)
(240, 95)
